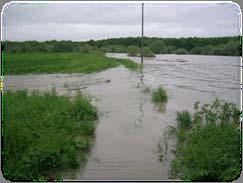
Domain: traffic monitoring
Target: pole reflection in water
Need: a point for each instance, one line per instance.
(138, 122)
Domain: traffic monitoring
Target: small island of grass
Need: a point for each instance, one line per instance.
(159, 95)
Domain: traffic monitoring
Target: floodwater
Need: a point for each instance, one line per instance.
(130, 125)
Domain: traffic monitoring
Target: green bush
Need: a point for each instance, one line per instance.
(180, 51)
(159, 95)
(208, 145)
(157, 46)
(147, 52)
(133, 51)
(40, 133)
(197, 50)
(85, 48)
(184, 120)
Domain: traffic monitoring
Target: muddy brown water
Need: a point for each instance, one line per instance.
(130, 125)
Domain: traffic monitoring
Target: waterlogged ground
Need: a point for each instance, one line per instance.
(130, 126)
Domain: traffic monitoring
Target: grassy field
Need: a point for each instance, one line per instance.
(34, 63)
(49, 134)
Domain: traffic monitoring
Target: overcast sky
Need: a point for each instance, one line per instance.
(81, 22)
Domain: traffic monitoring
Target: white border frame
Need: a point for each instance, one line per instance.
(136, 2)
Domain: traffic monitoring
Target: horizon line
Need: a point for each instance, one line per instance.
(121, 38)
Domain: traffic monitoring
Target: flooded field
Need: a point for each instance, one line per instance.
(130, 126)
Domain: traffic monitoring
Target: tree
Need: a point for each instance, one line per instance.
(180, 51)
(197, 50)
(157, 46)
(231, 48)
(147, 52)
(207, 50)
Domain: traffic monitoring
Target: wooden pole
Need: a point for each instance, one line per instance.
(142, 37)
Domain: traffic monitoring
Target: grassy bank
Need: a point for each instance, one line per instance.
(34, 63)
(45, 133)
(208, 143)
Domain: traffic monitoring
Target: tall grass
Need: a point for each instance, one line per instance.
(159, 95)
(34, 63)
(184, 120)
(208, 143)
(45, 133)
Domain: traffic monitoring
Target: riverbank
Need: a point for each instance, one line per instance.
(49, 134)
(207, 143)
(46, 63)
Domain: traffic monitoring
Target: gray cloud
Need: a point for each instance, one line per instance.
(24, 21)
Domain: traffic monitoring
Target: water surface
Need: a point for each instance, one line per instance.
(130, 126)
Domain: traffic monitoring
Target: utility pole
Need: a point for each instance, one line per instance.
(142, 37)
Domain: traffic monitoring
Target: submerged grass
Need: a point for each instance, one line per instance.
(34, 63)
(159, 95)
(45, 133)
(184, 120)
(208, 143)
(146, 89)
(128, 64)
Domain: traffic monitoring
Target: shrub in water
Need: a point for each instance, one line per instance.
(147, 52)
(159, 95)
(133, 51)
(184, 120)
(208, 145)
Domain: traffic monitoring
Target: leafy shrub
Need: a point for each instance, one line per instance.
(159, 95)
(184, 120)
(40, 131)
(157, 46)
(197, 50)
(180, 51)
(133, 51)
(208, 145)
(147, 52)
(85, 48)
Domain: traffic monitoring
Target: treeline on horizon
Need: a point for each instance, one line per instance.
(229, 46)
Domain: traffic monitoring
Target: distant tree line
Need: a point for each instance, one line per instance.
(192, 45)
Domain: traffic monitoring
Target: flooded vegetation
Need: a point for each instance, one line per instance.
(130, 126)
(207, 144)
(132, 91)
(82, 62)
(45, 133)
(159, 95)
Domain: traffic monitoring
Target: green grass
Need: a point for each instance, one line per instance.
(184, 120)
(159, 95)
(129, 64)
(35, 63)
(208, 143)
(45, 133)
